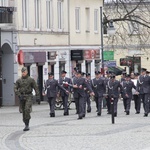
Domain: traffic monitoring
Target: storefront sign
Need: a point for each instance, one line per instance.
(110, 63)
(52, 55)
(76, 54)
(91, 54)
(31, 57)
(108, 55)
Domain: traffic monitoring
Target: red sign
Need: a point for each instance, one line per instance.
(20, 57)
(91, 54)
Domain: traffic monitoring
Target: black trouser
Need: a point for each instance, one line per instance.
(88, 102)
(65, 103)
(108, 103)
(80, 105)
(98, 101)
(145, 100)
(124, 103)
(128, 104)
(137, 102)
(51, 101)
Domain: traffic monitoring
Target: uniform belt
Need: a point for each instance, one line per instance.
(26, 93)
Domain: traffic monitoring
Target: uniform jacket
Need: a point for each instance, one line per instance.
(52, 87)
(80, 91)
(143, 84)
(98, 86)
(127, 89)
(114, 88)
(25, 86)
(67, 87)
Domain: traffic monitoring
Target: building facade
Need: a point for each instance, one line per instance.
(131, 41)
(46, 36)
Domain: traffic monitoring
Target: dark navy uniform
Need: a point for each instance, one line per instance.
(127, 93)
(64, 82)
(98, 87)
(114, 89)
(143, 87)
(52, 86)
(79, 93)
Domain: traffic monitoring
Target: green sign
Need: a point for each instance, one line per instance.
(108, 55)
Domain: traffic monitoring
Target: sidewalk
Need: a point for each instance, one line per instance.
(67, 133)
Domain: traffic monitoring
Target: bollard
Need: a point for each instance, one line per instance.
(112, 110)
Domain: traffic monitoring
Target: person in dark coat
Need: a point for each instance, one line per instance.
(51, 88)
(98, 86)
(114, 89)
(127, 86)
(65, 82)
(143, 87)
(79, 94)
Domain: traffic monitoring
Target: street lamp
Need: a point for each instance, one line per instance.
(110, 30)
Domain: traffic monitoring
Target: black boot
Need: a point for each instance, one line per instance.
(26, 126)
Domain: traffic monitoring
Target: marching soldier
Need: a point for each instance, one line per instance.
(79, 94)
(143, 87)
(65, 82)
(51, 86)
(98, 87)
(114, 88)
(108, 102)
(87, 95)
(127, 86)
(23, 89)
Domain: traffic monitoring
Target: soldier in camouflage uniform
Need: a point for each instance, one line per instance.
(23, 89)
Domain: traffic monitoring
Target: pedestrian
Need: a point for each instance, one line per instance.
(127, 86)
(87, 94)
(23, 89)
(98, 86)
(143, 87)
(66, 83)
(79, 94)
(51, 90)
(114, 89)
(137, 100)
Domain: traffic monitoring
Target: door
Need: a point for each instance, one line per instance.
(40, 81)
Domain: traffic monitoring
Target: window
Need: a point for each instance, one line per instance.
(77, 19)
(87, 12)
(2, 2)
(96, 20)
(37, 14)
(25, 14)
(49, 12)
(60, 14)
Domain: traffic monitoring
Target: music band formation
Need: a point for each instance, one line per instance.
(135, 86)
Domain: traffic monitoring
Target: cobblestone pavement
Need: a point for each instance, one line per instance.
(67, 133)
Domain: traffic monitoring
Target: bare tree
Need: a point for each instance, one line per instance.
(132, 22)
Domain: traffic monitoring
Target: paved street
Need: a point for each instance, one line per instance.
(67, 133)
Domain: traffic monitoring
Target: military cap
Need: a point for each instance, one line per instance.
(136, 74)
(24, 69)
(147, 72)
(127, 75)
(79, 72)
(63, 71)
(97, 72)
(50, 73)
(83, 73)
(143, 69)
(108, 72)
(76, 68)
(88, 74)
(112, 76)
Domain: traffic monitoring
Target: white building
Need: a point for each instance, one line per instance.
(43, 35)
